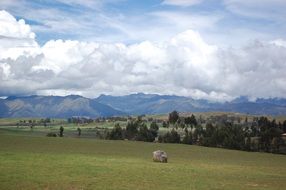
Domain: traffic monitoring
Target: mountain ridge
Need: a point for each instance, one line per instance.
(54, 106)
(132, 104)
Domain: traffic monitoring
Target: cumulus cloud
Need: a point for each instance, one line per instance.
(184, 65)
(16, 37)
(10, 27)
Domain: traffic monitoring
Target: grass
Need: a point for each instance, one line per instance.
(34, 162)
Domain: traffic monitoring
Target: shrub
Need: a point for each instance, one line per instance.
(51, 134)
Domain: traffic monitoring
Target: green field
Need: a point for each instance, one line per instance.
(35, 162)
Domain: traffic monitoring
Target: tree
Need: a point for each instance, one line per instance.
(187, 138)
(170, 137)
(246, 120)
(284, 126)
(173, 117)
(268, 131)
(61, 131)
(144, 134)
(132, 129)
(276, 143)
(47, 120)
(210, 136)
(198, 134)
(79, 131)
(191, 121)
(154, 128)
(164, 124)
(229, 136)
(116, 133)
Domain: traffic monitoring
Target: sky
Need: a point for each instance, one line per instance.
(205, 49)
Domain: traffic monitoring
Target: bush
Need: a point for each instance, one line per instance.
(51, 134)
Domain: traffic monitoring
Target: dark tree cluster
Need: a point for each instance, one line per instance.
(80, 119)
(269, 134)
(261, 134)
(135, 130)
(170, 137)
(224, 135)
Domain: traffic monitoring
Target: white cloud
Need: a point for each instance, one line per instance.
(12, 28)
(279, 42)
(184, 65)
(183, 20)
(16, 37)
(184, 3)
(265, 9)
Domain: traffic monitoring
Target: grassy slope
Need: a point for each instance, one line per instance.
(71, 163)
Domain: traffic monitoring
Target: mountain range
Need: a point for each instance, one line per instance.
(133, 104)
(54, 106)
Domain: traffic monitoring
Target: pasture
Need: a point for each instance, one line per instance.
(30, 161)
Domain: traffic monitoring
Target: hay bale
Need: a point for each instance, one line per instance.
(160, 156)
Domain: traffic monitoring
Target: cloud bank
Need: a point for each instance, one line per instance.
(183, 65)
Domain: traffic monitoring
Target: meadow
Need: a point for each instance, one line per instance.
(30, 161)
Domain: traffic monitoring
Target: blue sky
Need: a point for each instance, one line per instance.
(212, 49)
(132, 21)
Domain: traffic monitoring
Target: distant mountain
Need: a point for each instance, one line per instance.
(134, 104)
(3, 108)
(153, 104)
(54, 106)
(276, 101)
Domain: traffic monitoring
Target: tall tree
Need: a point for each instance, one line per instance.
(61, 131)
(173, 117)
(284, 126)
(154, 128)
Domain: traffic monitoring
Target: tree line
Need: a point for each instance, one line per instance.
(261, 134)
